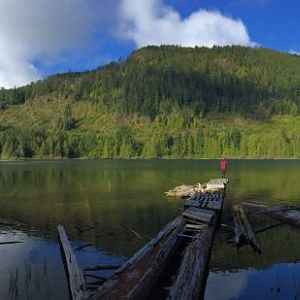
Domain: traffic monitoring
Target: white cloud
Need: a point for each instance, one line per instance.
(33, 29)
(294, 52)
(45, 30)
(153, 23)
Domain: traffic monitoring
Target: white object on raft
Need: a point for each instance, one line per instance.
(216, 184)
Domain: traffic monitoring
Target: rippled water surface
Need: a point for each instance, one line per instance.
(117, 206)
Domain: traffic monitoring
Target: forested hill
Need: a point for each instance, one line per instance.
(163, 101)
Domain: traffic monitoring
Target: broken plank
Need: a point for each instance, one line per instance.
(74, 274)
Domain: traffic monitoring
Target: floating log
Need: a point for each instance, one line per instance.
(83, 246)
(99, 268)
(136, 277)
(288, 215)
(9, 243)
(268, 227)
(191, 280)
(244, 228)
(74, 274)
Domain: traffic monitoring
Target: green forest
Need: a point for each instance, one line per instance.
(161, 102)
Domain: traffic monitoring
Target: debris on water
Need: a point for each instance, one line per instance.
(184, 191)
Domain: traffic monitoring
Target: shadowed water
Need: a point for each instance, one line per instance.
(117, 206)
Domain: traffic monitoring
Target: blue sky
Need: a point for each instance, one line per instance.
(43, 37)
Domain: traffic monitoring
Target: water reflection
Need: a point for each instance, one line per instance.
(30, 269)
(281, 281)
(106, 203)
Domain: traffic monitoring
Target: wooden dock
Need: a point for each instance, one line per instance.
(174, 264)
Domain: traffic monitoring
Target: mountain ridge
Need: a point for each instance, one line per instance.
(168, 102)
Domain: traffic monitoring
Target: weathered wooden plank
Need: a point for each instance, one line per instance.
(290, 215)
(191, 280)
(136, 277)
(198, 214)
(74, 274)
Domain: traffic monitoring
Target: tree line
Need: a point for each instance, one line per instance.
(185, 93)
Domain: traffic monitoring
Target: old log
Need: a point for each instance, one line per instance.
(239, 229)
(74, 274)
(136, 277)
(288, 215)
(245, 230)
(191, 279)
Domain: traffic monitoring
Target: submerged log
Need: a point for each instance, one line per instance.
(239, 229)
(74, 274)
(83, 246)
(288, 215)
(136, 277)
(191, 280)
(244, 229)
(99, 268)
(10, 243)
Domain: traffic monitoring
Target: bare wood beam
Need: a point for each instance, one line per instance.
(74, 274)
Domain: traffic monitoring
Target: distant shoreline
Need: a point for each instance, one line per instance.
(135, 159)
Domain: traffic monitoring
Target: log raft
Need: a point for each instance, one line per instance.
(185, 242)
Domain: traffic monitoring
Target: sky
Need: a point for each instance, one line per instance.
(39, 38)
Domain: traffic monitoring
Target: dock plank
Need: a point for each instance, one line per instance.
(199, 214)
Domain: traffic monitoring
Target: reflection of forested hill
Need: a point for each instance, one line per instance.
(112, 201)
(161, 102)
(120, 196)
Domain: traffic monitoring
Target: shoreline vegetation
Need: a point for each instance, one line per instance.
(141, 159)
(163, 102)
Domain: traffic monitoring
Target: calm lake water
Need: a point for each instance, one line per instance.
(107, 203)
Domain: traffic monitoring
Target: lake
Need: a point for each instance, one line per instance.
(117, 206)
